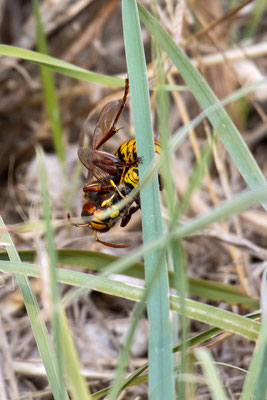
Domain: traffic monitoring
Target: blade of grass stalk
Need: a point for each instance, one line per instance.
(256, 379)
(212, 376)
(179, 259)
(161, 381)
(117, 385)
(124, 355)
(76, 382)
(198, 287)
(48, 83)
(175, 250)
(41, 335)
(52, 256)
(254, 23)
(97, 261)
(181, 286)
(261, 385)
(170, 88)
(63, 67)
(195, 179)
(220, 120)
(195, 310)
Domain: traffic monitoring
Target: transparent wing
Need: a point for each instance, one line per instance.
(99, 164)
(105, 123)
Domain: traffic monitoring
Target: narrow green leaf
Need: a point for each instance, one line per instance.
(52, 255)
(256, 379)
(97, 261)
(76, 382)
(195, 310)
(161, 382)
(212, 376)
(254, 22)
(63, 67)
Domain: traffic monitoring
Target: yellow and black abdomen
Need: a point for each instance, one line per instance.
(158, 148)
(127, 151)
(131, 177)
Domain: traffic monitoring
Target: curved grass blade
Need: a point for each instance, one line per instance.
(212, 376)
(195, 310)
(97, 261)
(63, 67)
(76, 381)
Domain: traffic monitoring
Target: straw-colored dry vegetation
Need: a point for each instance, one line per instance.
(228, 45)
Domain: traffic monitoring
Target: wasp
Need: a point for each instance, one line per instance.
(110, 178)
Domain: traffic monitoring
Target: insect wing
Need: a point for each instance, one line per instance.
(93, 161)
(104, 123)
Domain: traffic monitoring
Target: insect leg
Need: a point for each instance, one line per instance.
(116, 246)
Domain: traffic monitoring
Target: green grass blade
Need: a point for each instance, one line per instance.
(97, 261)
(196, 310)
(117, 385)
(63, 67)
(234, 206)
(76, 383)
(161, 383)
(220, 120)
(261, 385)
(256, 379)
(48, 83)
(212, 376)
(52, 256)
(254, 22)
(196, 178)
(41, 335)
